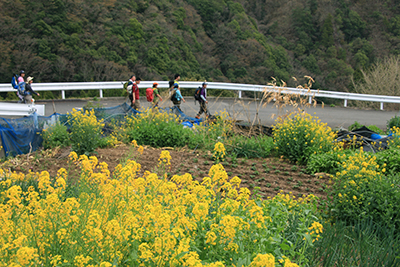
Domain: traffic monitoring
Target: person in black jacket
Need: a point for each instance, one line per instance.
(29, 91)
(203, 101)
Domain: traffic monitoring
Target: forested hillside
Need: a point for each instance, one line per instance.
(228, 41)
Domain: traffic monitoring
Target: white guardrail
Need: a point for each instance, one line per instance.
(14, 109)
(65, 86)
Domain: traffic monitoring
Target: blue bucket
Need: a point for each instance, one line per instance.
(375, 136)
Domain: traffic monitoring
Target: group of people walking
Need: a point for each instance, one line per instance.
(25, 91)
(174, 94)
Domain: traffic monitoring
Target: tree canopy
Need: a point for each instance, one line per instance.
(217, 40)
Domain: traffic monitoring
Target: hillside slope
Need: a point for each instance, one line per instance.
(231, 41)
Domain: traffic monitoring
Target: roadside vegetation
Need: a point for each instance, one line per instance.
(153, 217)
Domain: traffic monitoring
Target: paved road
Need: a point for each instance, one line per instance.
(245, 110)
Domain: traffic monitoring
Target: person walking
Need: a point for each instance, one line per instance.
(177, 98)
(203, 101)
(29, 91)
(129, 86)
(21, 78)
(157, 96)
(177, 77)
(135, 94)
(21, 86)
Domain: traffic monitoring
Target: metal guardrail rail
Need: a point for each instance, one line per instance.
(65, 86)
(15, 109)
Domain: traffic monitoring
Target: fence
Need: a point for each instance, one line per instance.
(211, 85)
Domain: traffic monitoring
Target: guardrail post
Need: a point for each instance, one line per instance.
(62, 94)
(310, 99)
(345, 103)
(240, 94)
(381, 105)
(101, 93)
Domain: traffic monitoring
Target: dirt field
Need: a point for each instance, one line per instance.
(266, 176)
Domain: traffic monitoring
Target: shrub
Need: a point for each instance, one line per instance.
(162, 129)
(362, 191)
(55, 135)
(108, 141)
(219, 129)
(298, 136)
(395, 141)
(354, 126)
(250, 147)
(158, 129)
(329, 162)
(86, 132)
(391, 158)
(393, 122)
(373, 128)
(376, 129)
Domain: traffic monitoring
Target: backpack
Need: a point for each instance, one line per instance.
(21, 88)
(14, 81)
(149, 94)
(128, 87)
(197, 94)
(173, 97)
(16, 85)
(171, 84)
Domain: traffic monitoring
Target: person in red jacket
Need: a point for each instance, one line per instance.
(135, 95)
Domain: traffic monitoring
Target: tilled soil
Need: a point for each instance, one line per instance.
(264, 176)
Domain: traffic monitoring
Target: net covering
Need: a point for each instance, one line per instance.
(24, 135)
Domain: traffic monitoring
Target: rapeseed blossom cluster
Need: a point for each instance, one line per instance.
(395, 142)
(219, 152)
(86, 131)
(127, 219)
(357, 190)
(165, 158)
(297, 136)
(220, 127)
(263, 260)
(150, 118)
(315, 228)
(357, 172)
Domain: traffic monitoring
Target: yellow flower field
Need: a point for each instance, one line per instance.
(125, 219)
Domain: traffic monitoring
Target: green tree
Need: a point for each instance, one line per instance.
(327, 32)
(354, 26)
(310, 63)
